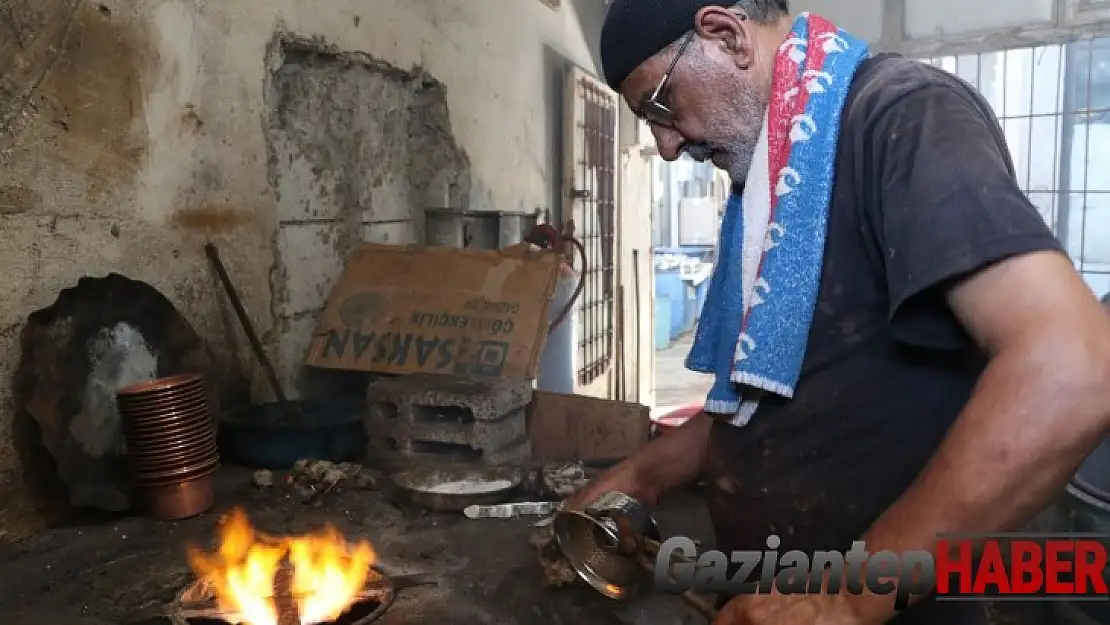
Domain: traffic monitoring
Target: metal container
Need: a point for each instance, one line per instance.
(443, 227)
(555, 373)
(482, 230)
(589, 538)
(485, 486)
(515, 226)
(475, 229)
(277, 435)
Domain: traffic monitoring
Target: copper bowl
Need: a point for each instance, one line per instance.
(184, 458)
(191, 472)
(177, 473)
(181, 499)
(140, 414)
(169, 427)
(130, 396)
(157, 445)
(160, 386)
(171, 442)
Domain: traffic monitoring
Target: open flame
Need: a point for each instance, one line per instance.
(328, 573)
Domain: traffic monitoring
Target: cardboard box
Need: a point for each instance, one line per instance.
(564, 428)
(413, 309)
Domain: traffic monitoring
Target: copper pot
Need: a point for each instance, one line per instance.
(181, 499)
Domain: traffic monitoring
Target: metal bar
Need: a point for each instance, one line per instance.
(1086, 157)
(1057, 132)
(1067, 139)
(1029, 125)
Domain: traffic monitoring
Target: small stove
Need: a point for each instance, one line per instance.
(197, 605)
(255, 579)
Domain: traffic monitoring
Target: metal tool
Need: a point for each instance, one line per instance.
(587, 539)
(613, 546)
(244, 320)
(645, 551)
(511, 510)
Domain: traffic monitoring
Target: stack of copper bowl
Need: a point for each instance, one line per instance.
(171, 442)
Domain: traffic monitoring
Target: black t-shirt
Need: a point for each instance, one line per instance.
(924, 194)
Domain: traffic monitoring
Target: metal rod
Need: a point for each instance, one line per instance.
(636, 311)
(248, 329)
(621, 357)
(699, 605)
(645, 551)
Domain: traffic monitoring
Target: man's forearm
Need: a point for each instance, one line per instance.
(673, 460)
(1022, 435)
(1032, 419)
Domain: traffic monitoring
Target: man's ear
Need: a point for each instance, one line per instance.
(729, 30)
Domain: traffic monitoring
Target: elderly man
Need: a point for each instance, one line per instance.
(901, 348)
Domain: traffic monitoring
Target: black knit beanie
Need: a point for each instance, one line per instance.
(636, 30)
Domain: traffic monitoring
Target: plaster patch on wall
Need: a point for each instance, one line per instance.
(118, 357)
(356, 146)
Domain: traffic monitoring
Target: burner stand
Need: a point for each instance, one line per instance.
(196, 605)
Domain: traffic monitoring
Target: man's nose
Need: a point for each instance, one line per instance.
(669, 142)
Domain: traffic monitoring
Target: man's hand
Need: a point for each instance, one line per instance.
(820, 609)
(666, 463)
(622, 477)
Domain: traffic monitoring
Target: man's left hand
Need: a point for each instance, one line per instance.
(777, 609)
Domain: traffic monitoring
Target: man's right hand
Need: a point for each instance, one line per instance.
(669, 462)
(621, 477)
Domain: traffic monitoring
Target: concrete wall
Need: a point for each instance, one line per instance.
(165, 123)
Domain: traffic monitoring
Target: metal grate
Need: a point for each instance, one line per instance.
(1053, 103)
(596, 226)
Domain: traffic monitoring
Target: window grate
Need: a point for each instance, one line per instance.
(597, 170)
(1053, 103)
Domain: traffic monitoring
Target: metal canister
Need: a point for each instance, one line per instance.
(589, 539)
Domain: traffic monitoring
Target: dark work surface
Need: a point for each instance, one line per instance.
(105, 574)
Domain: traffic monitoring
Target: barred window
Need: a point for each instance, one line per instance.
(1053, 102)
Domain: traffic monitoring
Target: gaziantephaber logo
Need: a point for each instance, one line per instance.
(1022, 567)
(998, 567)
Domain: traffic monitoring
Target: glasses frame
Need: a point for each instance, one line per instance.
(652, 110)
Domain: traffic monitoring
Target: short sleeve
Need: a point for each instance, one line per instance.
(947, 206)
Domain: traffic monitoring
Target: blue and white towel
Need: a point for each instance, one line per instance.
(754, 327)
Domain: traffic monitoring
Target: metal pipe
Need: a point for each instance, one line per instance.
(244, 320)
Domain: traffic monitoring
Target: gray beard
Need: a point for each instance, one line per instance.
(738, 172)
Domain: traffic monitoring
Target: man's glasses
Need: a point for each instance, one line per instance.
(651, 108)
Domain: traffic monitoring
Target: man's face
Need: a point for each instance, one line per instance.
(716, 103)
